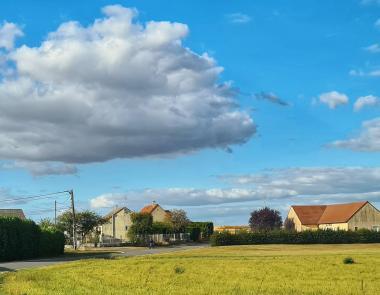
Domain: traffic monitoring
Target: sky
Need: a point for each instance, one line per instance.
(215, 107)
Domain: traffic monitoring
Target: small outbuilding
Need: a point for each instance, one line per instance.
(349, 216)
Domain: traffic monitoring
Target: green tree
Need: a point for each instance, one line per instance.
(142, 224)
(46, 224)
(179, 220)
(86, 222)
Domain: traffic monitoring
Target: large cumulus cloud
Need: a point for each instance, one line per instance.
(115, 89)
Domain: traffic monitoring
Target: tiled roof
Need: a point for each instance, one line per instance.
(149, 208)
(340, 212)
(12, 213)
(320, 214)
(309, 215)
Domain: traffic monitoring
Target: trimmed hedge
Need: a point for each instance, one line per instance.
(206, 229)
(194, 232)
(22, 239)
(292, 237)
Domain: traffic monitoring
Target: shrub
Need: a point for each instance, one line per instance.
(194, 232)
(22, 239)
(162, 228)
(292, 237)
(206, 229)
(348, 260)
(52, 243)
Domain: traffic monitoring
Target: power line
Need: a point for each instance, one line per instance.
(38, 197)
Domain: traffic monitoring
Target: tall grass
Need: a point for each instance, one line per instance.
(265, 269)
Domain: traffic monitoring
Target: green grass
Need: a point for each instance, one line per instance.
(266, 269)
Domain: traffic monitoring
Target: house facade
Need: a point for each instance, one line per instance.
(116, 227)
(158, 213)
(349, 216)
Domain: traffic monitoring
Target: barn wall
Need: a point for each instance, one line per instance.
(297, 223)
(367, 217)
(159, 214)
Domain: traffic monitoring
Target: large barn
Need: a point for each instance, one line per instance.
(350, 216)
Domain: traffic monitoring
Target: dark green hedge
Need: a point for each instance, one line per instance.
(206, 229)
(292, 237)
(22, 239)
(194, 232)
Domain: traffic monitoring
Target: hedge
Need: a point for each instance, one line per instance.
(22, 239)
(206, 229)
(292, 237)
(194, 232)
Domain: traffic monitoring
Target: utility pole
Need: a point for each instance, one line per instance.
(55, 212)
(71, 192)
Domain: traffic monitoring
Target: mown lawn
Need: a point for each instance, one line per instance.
(268, 269)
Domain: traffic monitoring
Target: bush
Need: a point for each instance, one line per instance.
(206, 229)
(348, 260)
(162, 228)
(22, 239)
(194, 232)
(292, 237)
(52, 243)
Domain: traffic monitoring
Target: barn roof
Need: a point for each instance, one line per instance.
(320, 214)
(12, 213)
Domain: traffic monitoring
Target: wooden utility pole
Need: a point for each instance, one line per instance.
(55, 212)
(71, 192)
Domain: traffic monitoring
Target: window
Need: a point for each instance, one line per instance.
(126, 227)
(376, 228)
(356, 228)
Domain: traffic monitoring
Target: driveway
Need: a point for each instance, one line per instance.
(122, 251)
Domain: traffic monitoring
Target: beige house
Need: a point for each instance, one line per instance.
(158, 213)
(350, 216)
(12, 213)
(115, 229)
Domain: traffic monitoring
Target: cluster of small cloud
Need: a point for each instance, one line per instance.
(374, 48)
(366, 101)
(109, 90)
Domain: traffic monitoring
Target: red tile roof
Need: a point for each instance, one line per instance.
(309, 215)
(12, 213)
(321, 214)
(149, 208)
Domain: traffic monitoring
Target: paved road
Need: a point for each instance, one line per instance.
(16, 265)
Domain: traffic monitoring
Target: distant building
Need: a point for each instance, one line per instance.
(350, 216)
(12, 213)
(232, 228)
(158, 213)
(115, 229)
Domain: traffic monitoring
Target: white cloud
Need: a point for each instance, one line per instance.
(360, 73)
(189, 196)
(8, 34)
(281, 184)
(42, 168)
(333, 99)
(366, 101)
(370, 2)
(374, 48)
(115, 89)
(238, 18)
(368, 140)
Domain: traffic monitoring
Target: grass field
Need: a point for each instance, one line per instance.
(267, 269)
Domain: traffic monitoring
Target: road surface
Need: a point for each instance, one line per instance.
(122, 251)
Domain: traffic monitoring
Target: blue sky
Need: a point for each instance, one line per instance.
(154, 116)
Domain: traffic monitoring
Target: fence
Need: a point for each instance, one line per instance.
(157, 238)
